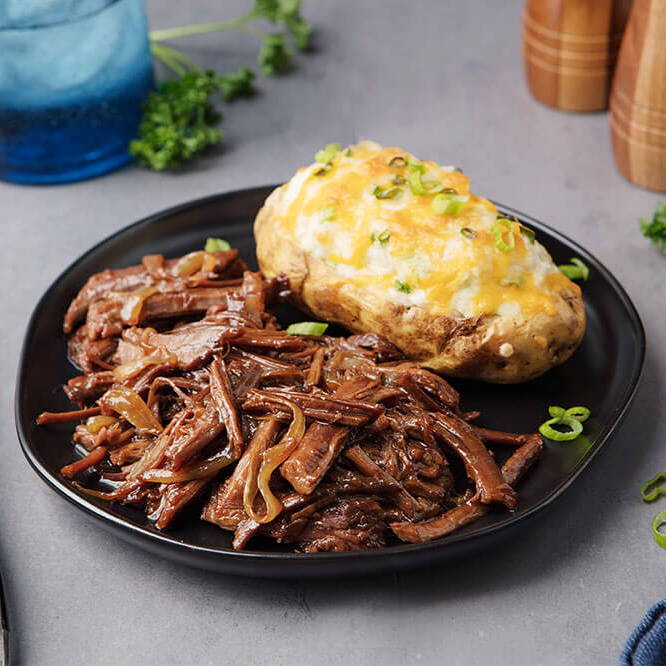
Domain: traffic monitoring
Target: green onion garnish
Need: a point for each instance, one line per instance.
(457, 170)
(216, 245)
(655, 490)
(398, 161)
(381, 193)
(528, 233)
(576, 270)
(327, 154)
(657, 534)
(572, 418)
(307, 328)
(399, 180)
(327, 214)
(502, 244)
(512, 282)
(348, 152)
(468, 233)
(382, 237)
(449, 202)
(420, 186)
(402, 286)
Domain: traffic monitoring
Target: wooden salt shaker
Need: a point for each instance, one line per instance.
(638, 99)
(569, 50)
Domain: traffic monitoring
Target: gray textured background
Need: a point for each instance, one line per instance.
(444, 80)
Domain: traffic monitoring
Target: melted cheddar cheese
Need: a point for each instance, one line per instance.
(456, 264)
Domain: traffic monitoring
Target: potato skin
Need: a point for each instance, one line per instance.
(489, 348)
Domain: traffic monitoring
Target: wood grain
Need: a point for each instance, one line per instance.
(569, 50)
(638, 99)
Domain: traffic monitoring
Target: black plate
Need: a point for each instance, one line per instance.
(602, 375)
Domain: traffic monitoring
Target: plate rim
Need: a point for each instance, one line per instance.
(181, 546)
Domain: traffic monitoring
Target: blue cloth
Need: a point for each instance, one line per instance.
(647, 644)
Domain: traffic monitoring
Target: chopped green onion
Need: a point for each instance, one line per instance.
(655, 490)
(307, 328)
(449, 203)
(381, 193)
(399, 180)
(420, 186)
(575, 428)
(322, 171)
(403, 287)
(657, 534)
(512, 282)
(528, 233)
(501, 244)
(382, 237)
(573, 418)
(348, 152)
(216, 245)
(576, 270)
(457, 170)
(327, 154)
(327, 214)
(398, 161)
(468, 233)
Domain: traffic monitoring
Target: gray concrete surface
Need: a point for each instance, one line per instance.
(445, 80)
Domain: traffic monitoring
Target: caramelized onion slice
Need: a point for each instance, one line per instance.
(130, 406)
(95, 423)
(195, 262)
(132, 304)
(271, 459)
(133, 368)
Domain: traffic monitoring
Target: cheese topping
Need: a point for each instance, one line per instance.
(366, 218)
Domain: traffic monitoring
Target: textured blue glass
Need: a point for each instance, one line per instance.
(73, 74)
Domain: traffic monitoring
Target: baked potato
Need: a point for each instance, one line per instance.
(378, 241)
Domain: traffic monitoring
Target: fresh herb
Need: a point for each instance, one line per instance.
(468, 233)
(512, 281)
(503, 232)
(307, 328)
(576, 270)
(179, 117)
(572, 418)
(216, 245)
(177, 122)
(382, 237)
(382, 193)
(420, 186)
(402, 287)
(651, 489)
(655, 229)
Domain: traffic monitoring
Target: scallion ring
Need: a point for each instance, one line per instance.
(528, 233)
(307, 328)
(576, 270)
(382, 193)
(574, 425)
(655, 491)
(216, 245)
(382, 237)
(657, 534)
(579, 413)
(420, 186)
(512, 281)
(468, 233)
(397, 162)
(447, 203)
(504, 236)
(402, 287)
(327, 154)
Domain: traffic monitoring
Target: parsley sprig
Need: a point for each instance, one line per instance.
(179, 117)
(655, 229)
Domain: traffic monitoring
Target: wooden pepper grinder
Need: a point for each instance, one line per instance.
(638, 99)
(569, 49)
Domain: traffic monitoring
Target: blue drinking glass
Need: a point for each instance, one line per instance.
(73, 74)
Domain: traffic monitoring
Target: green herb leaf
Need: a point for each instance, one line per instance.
(177, 121)
(236, 84)
(402, 287)
(382, 193)
(576, 270)
(216, 245)
(286, 13)
(274, 56)
(307, 328)
(655, 229)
